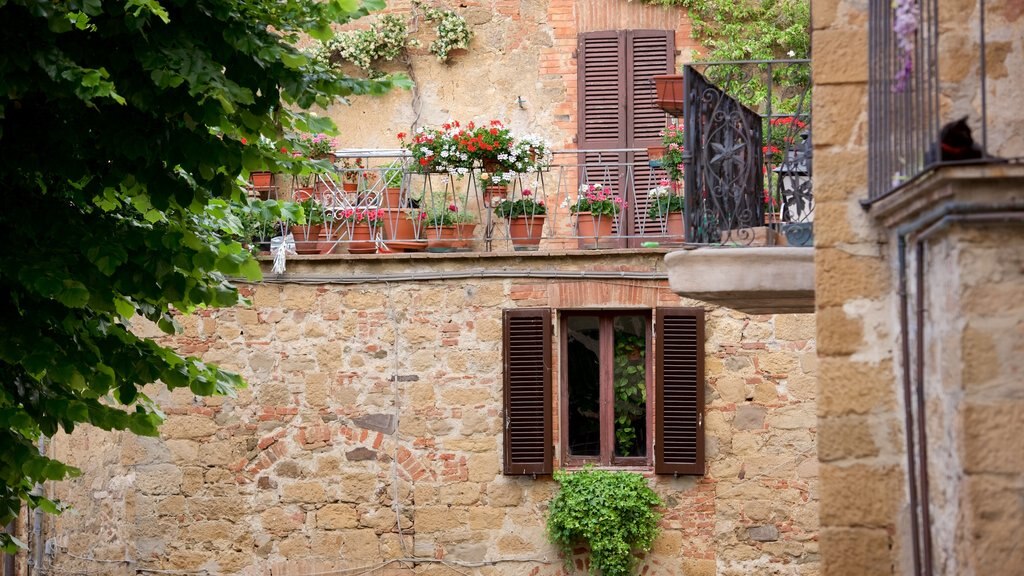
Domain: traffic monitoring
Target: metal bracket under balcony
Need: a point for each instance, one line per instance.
(770, 280)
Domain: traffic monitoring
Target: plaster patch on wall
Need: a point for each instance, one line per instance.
(878, 342)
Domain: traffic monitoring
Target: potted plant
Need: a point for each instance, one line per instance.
(260, 220)
(459, 148)
(439, 149)
(667, 206)
(352, 170)
(317, 146)
(449, 228)
(495, 187)
(596, 210)
(668, 93)
(364, 226)
(392, 178)
(307, 231)
(525, 220)
(611, 513)
(672, 139)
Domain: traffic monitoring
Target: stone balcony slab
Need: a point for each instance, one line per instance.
(770, 280)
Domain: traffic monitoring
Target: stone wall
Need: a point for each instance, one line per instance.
(865, 504)
(860, 439)
(520, 49)
(975, 399)
(371, 433)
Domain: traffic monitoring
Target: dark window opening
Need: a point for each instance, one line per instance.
(607, 388)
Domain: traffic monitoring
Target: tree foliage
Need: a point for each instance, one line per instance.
(124, 130)
(749, 30)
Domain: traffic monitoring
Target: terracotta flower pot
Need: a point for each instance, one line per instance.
(261, 180)
(445, 238)
(363, 236)
(674, 224)
(668, 90)
(594, 232)
(398, 226)
(392, 198)
(526, 232)
(306, 239)
(495, 194)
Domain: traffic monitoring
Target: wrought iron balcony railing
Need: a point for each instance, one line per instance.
(929, 68)
(748, 164)
(413, 213)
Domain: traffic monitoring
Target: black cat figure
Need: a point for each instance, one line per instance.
(956, 143)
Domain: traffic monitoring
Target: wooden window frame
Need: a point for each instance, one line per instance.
(607, 453)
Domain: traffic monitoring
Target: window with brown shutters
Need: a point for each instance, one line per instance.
(613, 411)
(616, 111)
(679, 404)
(527, 353)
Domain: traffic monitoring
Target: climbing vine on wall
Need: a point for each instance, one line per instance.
(765, 30)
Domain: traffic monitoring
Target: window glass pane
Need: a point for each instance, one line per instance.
(584, 377)
(630, 386)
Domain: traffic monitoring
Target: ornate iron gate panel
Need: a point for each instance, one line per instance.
(724, 177)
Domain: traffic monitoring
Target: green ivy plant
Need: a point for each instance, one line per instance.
(765, 30)
(613, 513)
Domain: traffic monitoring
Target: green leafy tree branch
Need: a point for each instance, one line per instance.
(124, 130)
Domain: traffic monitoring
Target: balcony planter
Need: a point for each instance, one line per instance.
(392, 198)
(449, 238)
(526, 232)
(668, 89)
(398, 225)
(306, 238)
(494, 194)
(593, 232)
(674, 224)
(363, 236)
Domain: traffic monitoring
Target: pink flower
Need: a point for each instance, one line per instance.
(527, 192)
(453, 208)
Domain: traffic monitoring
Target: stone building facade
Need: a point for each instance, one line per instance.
(918, 312)
(521, 68)
(370, 436)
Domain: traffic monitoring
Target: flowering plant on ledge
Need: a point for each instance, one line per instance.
(455, 147)
(672, 138)
(595, 199)
(664, 200)
(317, 145)
(371, 216)
(525, 206)
(449, 216)
(437, 149)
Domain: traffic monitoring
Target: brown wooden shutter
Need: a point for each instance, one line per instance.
(617, 111)
(679, 394)
(602, 107)
(527, 351)
(650, 53)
